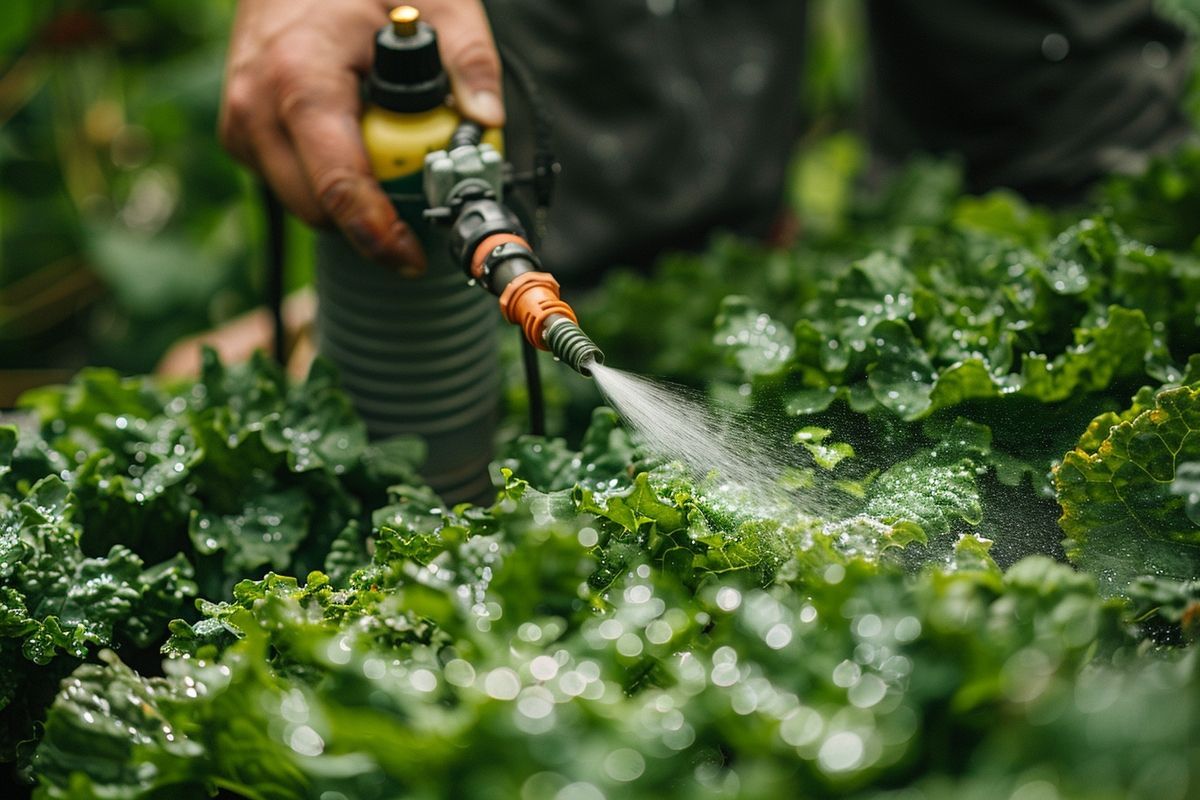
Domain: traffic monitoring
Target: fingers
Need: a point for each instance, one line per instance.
(291, 108)
(320, 117)
(236, 339)
(307, 143)
(273, 157)
(253, 137)
(290, 111)
(234, 342)
(469, 55)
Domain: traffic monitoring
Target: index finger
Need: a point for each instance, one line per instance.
(321, 119)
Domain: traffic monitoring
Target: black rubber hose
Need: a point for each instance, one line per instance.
(533, 380)
(545, 165)
(276, 253)
(543, 174)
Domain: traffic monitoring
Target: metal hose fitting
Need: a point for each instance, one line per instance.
(571, 345)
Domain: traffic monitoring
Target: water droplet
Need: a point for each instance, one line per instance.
(502, 684)
(728, 598)
(536, 703)
(778, 636)
(1055, 47)
(543, 668)
(611, 629)
(841, 752)
(867, 692)
(624, 765)
(846, 674)
(307, 742)
(423, 680)
(459, 673)
(629, 645)
(579, 791)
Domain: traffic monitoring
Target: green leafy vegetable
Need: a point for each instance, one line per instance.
(136, 499)
(1119, 511)
(239, 472)
(58, 606)
(612, 626)
(816, 683)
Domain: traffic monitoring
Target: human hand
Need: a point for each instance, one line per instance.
(237, 339)
(291, 107)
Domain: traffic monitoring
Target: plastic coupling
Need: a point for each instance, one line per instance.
(529, 301)
(571, 345)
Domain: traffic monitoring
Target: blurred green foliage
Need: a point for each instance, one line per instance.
(122, 224)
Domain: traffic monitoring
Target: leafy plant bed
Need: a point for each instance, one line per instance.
(1003, 401)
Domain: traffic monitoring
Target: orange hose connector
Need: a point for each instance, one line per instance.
(529, 301)
(484, 248)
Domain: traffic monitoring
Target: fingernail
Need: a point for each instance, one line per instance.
(403, 252)
(361, 237)
(487, 108)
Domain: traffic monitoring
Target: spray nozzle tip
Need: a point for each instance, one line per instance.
(585, 366)
(571, 345)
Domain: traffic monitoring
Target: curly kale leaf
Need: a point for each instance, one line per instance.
(210, 483)
(602, 462)
(57, 605)
(1119, 511)
(240, 472)
(114, 733)
(367, 718)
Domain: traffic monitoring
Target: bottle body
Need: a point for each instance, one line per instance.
(416, 355)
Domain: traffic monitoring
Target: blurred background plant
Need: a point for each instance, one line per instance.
(123, 225)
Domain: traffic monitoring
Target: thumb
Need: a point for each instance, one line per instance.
(469, 54)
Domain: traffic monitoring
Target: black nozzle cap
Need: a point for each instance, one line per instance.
(407, 74)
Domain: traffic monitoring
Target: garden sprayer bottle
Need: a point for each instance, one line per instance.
(420, 355)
